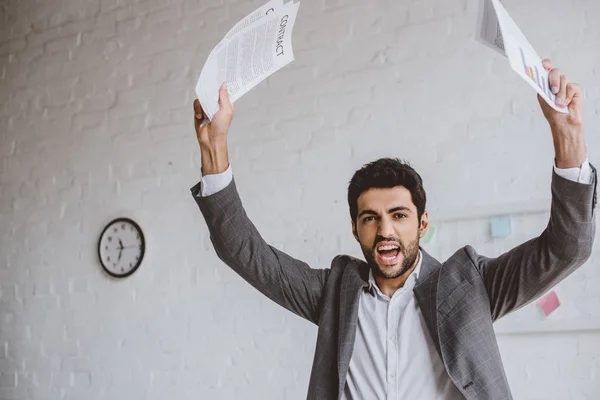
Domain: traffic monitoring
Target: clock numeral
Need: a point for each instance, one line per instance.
(123, 226)
(115, 230)
(122, 269)
(108, 258)
(110, 238)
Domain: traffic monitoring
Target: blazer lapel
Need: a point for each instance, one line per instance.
(353, 282)
(426, 293)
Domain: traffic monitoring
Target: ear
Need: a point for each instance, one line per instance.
(354, 231)
(424, 224)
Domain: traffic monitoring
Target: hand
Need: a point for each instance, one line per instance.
(568, 95)
(567, 129)
(216, 130)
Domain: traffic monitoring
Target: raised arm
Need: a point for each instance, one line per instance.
(527, 271)
(289, 282)
(524, 273)
(212, 137)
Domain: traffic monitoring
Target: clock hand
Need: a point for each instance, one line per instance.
(121, 244)
(120, 252)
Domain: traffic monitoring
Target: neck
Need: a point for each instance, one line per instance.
(389, 286)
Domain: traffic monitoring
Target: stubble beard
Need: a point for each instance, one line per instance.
(409, 252)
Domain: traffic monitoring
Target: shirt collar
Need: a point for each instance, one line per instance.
(413, 276)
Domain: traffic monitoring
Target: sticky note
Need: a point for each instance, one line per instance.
(429, 235)
(549, 303)
(500, 226)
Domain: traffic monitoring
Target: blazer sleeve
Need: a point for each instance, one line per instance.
(285, 280)
(524, 273)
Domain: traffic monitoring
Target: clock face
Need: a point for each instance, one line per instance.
(121, 247)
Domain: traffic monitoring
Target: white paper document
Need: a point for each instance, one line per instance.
(256, 47)
(488, 28)
(497, 30)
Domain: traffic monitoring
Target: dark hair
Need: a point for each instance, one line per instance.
(386, 173)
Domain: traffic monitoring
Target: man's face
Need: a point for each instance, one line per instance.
(388, 230)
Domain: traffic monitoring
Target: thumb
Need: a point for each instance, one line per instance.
(224, 102)
(576, 102)
(576, 109)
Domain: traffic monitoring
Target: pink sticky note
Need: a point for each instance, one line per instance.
(549, 302)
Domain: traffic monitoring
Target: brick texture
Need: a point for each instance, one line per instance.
(96, 123)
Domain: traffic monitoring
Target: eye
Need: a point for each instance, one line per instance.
(367, 219)
(399, 216)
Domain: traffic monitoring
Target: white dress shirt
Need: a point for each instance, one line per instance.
(394, 356)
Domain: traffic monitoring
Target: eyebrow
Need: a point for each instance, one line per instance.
(390, 211)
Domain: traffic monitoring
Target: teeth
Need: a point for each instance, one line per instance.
(389, 247)
(388, 258)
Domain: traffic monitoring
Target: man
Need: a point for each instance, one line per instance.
(401, 325)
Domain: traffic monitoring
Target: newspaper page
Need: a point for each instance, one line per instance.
(255, 48)
(522, 57)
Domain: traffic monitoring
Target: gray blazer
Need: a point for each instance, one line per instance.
(459, 299)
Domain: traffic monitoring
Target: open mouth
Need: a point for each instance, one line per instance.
(387, 253)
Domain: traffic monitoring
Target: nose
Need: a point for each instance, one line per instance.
(385, 228)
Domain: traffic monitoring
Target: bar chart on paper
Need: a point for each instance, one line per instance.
(523, 59)
(533, 72)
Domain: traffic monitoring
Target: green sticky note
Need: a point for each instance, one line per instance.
(429, 235)
(500, 226)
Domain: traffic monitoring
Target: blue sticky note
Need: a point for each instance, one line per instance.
(500, 226)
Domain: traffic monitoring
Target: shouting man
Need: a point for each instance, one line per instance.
(402, 325)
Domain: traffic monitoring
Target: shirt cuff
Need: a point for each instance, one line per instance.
(580, 175)
(213, 183)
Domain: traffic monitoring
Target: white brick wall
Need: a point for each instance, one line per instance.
(95, 123)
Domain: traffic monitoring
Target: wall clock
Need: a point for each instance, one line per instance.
(121, 247)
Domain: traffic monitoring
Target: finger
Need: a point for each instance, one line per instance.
(198, 111)
(224, 102)
(554, 80)
(562, 93)
(572, 90)
(547, 63)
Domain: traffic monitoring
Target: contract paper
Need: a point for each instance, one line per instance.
(498, 31)
(256, 47)
(257, 14)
